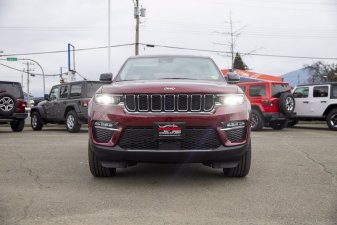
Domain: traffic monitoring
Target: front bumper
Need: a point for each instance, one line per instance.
(227, 156)
(123, 120)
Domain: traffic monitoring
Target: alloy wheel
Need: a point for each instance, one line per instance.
(333, 120)
(34, 121)
(6, 104)
(70, 121)
(290, 103)
(255, 120)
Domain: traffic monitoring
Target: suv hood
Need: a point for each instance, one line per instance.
(170, 87)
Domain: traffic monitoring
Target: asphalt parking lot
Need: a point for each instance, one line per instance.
(45, 180)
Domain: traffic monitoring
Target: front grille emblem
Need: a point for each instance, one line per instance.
(169, 88)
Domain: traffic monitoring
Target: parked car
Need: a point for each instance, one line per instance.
(169, 109)
(67, 103)
(12, 105)
(316, 102)
(272, 103)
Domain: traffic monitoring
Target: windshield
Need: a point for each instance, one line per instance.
(169, 68)
(11, 88)
(92, 87)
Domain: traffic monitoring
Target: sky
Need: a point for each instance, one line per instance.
(268, 27)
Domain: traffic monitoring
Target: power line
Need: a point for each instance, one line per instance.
(64, 51)
(174, 47)
(34, 74)
(243, 53)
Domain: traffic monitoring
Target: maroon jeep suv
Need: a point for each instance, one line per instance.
(169, 109)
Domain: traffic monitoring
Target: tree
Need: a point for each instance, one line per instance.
(322, 72)
(238, 63)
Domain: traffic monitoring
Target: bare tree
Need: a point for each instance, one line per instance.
(322, 72)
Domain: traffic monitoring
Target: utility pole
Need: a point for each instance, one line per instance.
(138, 12)
(43, 75)
(232, 40)
(22, 80)
(109, 39)
(233, 34)
(137, 27)
(28, 74)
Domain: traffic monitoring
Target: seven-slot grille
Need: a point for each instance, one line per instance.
(169, 102)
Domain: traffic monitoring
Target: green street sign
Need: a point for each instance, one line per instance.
(12, 59)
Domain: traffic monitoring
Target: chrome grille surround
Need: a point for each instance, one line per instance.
(202, 103)
(143, 103)
(130, 103)
(196, 101)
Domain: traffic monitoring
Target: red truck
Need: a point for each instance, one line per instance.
(169, 109)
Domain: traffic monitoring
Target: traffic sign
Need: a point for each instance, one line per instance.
(12, 59)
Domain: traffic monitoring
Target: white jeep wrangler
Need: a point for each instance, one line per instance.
(316, 102)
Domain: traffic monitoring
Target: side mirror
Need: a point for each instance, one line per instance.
(106, 77)
(233, 78)
(46, 97)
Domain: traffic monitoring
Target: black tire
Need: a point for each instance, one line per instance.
(8, 104)
(279, 125)
(96, 168)
(287, 103)
(292, 122)
(17, 125)
(72, 124)
(257, 120)
(36, 121)
(242, 169)
(331, 119)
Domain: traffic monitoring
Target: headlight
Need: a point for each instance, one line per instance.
(108, 99)
(230, 99)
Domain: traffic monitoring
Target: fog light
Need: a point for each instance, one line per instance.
(106, 125)
(233, 125)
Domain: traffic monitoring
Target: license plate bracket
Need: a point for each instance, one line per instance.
(169, 130)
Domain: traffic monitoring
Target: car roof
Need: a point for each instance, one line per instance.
(9, 82)
(77, 82)
(168, 55)
(315, 84)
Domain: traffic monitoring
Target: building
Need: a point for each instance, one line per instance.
(254, 75)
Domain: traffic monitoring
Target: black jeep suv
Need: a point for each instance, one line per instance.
(12, 105)
(67, 103)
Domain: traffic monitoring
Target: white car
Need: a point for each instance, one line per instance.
(316, 102)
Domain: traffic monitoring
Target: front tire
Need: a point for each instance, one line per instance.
(36, 121)
(242, 169)
(17, 125)
(96, 168)
(279, 125)
(331, 119)
(72, 124)
(257, 122)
